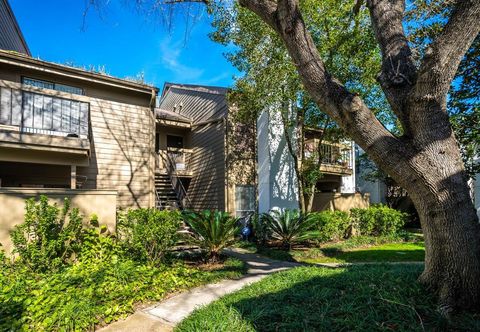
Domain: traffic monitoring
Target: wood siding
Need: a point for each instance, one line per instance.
(11, 37)
(122, 156)
(122, 148)
(208, 109)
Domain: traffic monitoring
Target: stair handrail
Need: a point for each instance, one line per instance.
(157, 201)
(176, 182)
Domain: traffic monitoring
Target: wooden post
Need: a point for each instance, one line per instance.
(73, 177)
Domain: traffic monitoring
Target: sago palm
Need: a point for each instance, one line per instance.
(290, 226)
(212, 230)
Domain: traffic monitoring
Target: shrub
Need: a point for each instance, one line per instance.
(379, 220)
(261, 232)
(333, 225)
(147, 234)
(49, 237)
(290, 226)
(212, 230)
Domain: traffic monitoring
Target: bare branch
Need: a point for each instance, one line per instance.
(398, 73)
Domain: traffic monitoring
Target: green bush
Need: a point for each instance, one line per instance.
(212, 230)
(290, 226)
(261, 232)
(148, 234)
(333, 225)
(91, 292)
(50, 237)
(378, 220)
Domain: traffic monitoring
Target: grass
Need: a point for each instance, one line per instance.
(94, 293)
(361, 249)
(354, 298)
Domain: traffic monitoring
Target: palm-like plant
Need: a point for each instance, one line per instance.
(212, 230)
(291, 226)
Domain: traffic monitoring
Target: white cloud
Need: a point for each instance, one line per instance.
(171, 54)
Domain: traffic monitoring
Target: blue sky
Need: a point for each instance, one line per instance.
(123, 41)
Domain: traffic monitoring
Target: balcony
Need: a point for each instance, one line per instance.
(39, 120)
(336, 157)
(174, 161)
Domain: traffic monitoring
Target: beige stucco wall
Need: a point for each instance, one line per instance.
(12, 207)
(342, 202)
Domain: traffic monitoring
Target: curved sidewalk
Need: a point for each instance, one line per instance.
(164, 315)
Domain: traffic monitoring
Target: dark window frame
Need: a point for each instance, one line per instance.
(54, 84)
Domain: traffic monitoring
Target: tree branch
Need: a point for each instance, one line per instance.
(346, 108)
(265, 9)
(443, 56)
(398, 73)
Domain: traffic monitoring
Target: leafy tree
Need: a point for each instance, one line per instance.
(424, 156)
(271, 83)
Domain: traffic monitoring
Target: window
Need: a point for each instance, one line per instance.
(244, 200)
(52, 86)
(174, 141)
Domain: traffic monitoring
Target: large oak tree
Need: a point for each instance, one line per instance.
(425, 159)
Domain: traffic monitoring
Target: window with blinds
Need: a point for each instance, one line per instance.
(244, 200)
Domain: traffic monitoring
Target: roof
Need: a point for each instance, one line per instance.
(15, 26)
(18, 59)
(195, 87)
(200, 103)
(170, 115)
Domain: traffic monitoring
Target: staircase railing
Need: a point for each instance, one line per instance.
(176, 182)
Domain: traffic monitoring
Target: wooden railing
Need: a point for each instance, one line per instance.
(336, 157)
(43, 113)
(176, 181)
(180, 159)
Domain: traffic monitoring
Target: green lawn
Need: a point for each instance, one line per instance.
(365, 249)
(354, 298)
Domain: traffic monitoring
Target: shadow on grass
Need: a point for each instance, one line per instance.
(357, 298)
(335, 254)
(373, 255)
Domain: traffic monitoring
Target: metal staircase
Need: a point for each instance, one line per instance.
(166, 197)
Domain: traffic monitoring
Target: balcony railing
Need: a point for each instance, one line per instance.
(176, 159)
(336, 158)
(38, 113)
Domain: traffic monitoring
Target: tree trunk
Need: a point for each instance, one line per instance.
(452, 248)
(450, 224)
(426, 159)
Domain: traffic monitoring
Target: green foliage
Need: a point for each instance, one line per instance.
(103, 282)
(147, 234)
(92, 292)
(49, 237)
(333, 225)
(291, 226)
(212, 230)
(378, 220)
(261, 231)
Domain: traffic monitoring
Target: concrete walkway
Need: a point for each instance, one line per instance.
(165, 315)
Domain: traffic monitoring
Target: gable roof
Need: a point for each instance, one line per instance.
(11, 36)
(200, 103)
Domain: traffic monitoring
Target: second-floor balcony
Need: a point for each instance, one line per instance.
(175, 161)
(41, 119)
(336, 157)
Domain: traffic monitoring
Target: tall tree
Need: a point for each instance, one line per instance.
(425, 159)
(270, 82)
